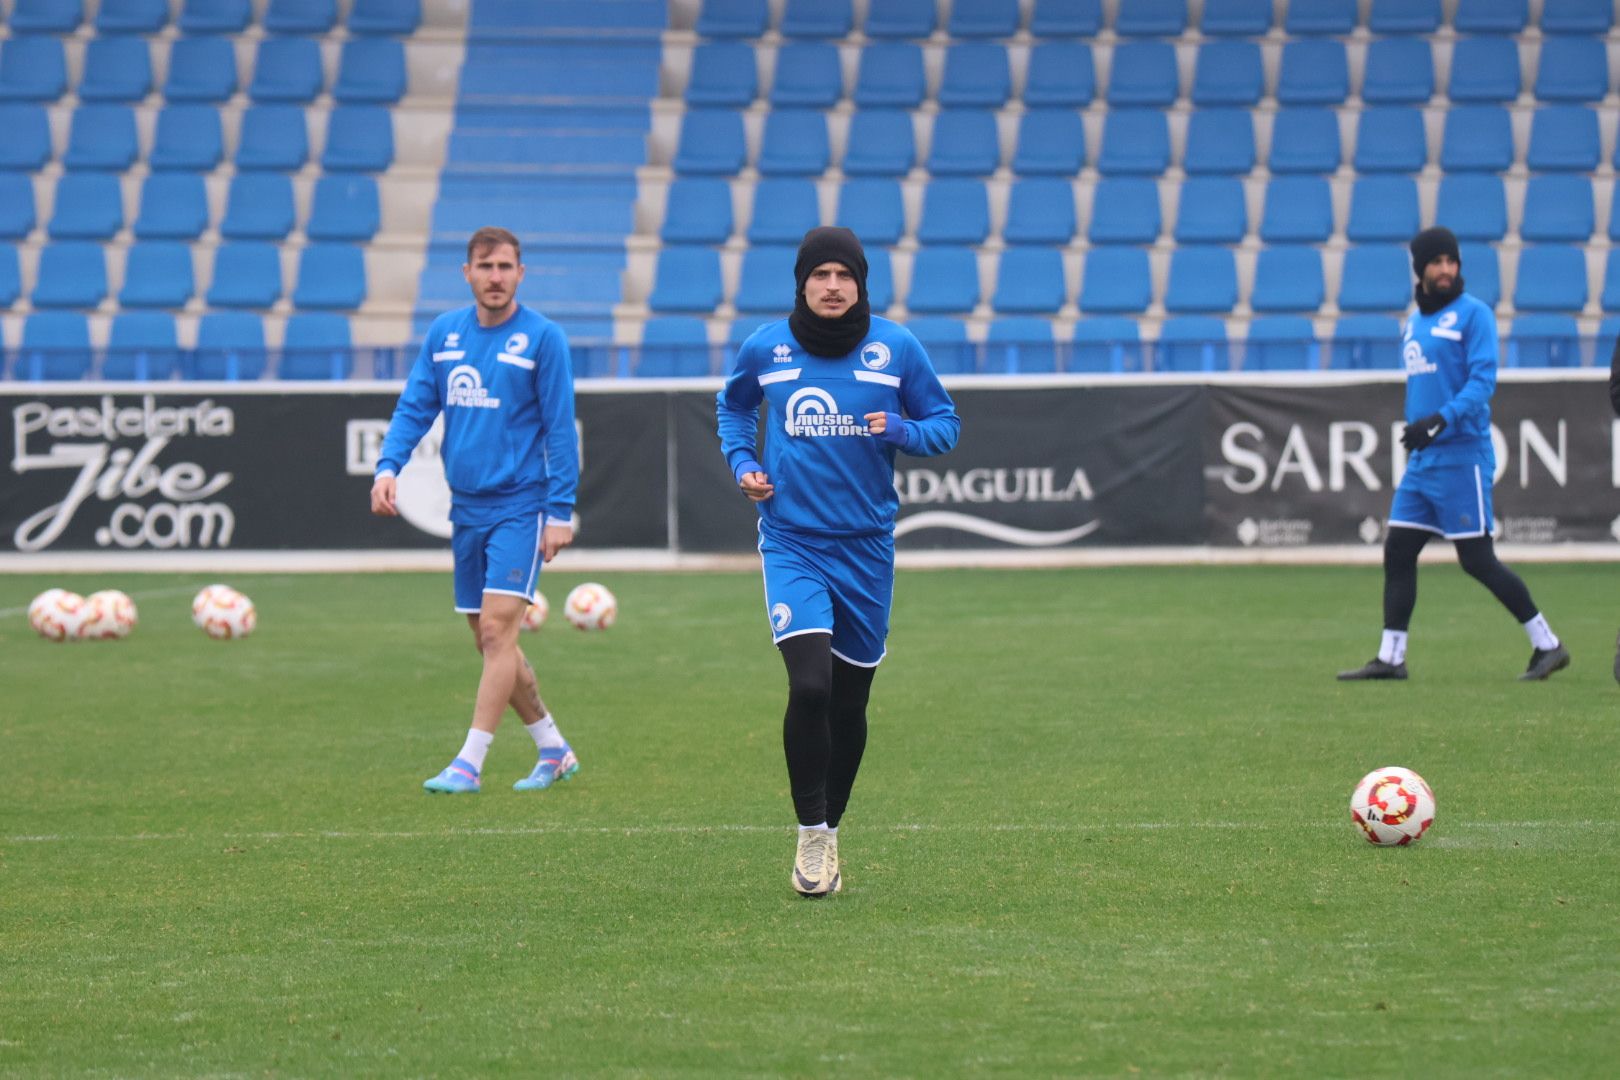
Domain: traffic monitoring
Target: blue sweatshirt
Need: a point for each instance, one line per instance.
(1450, 361)
(507, 394)
(832, 477)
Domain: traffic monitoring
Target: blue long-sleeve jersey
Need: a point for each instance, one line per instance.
(831, 476)
(507, 394)
(1450, 360)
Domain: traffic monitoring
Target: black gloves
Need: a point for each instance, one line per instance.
(1420, 433)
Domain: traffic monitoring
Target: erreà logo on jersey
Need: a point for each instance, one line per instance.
(812, 413)
(466, 390)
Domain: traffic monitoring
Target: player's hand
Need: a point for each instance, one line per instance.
(876, 422)
(554, 539)
(385, 496)
(757, 486)
(1420, 433)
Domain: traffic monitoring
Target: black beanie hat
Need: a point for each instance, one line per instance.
(1430, 244)
(830, 243)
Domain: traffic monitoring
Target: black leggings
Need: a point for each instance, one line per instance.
(1477, 556)
(824, 731)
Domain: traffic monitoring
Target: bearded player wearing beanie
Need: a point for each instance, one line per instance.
(843, 391)
(1449, 350)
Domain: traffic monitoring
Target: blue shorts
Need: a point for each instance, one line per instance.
(1452, 500)
(498, 557)
(838, 585)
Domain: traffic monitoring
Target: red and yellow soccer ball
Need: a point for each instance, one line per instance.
(223, 613)
(110, 615)
(1392, 806)
(591, 607)
(58, 615)
(534, 616)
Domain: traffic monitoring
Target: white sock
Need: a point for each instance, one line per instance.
(545, 734)
(822, 827)
(476, 746)
(1392, 649)
(1541, 635)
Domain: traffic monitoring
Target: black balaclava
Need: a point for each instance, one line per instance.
(1427, 246)
(838, 337)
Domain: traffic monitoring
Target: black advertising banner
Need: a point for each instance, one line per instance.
(711, 513)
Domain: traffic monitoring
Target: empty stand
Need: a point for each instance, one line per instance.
(673, 346)
(785, 208)
(101, 137)
(27, 145)
(1051, 142)
(72, 274)
(1040, 210)
(955, 211)
(890, 76)
(1124, 210)
(188, 138)
(32, 68)
(142, 346)
(1287, 278)
(765, 283)
(1144, 74)
(1202, 279)
(1484, 69)
(874, 209)
(116, 69)
(946, 342)
(1219, 142)
(1383, 208)
(1211, 210)
(258, 207)
(55, 345)
(1281, 343)
(976, 76)
(808, 76)
(1228, 73)
(157, 274)
(89, 206)
(246, 274)
(964, 143)
(16, 206)
(901, 19)
(230, 346)
(1376, 278)
(1304, 141)
(687, 279)
(817, 18)
(944, 281)
(1134, 141)
(1473, 205)
(1558, 207)
(1399, 71)
(1298, 209)
(1020, 346)
(1189, 343)
(1235, 18)
(316, 345)
(344, 208)
(1116, 280)
(286, 69)
(1030, 280)
(1551, 277)
(795, 143)
(724, 73)
(881, 143)
(1061, 75)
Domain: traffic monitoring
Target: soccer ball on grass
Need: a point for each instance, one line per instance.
(109, 615)
(58, 615)
(534, 616)
(591, 607)
(223, 613)
(1392, 806)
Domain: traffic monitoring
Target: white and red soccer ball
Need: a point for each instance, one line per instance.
(1392, 806)
(109, 615)
(223, 613)
(58, 615)
(534, 616)
(591, 607)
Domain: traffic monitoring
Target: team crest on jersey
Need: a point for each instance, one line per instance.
(516, 344)
(1416, 363)
(466, 390)
(812, 413)
(782, 354)
(781, 617)
(875, 355)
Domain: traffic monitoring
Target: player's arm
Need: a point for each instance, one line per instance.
(930, 425)
(413, 414)
(737, 419)
(554, 376)
(1475, 396)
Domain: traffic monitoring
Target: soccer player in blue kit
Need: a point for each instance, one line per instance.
(501, 375)
(1449, 350)
(843, 390)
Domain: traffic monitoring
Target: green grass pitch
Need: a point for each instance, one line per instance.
(1101, 830)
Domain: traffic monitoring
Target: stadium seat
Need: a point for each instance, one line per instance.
(1061, 75)
(808, 76)
(1315, 71)
(1281, 343)
(983, 18)
(946, 342)
(157, 274)
(259, 206)
(1404, 16)
(1106, 344)
(1482, 272)
(1040, 210)
(1304, 141)
(1228, 73)
(879, 279)
(1143, 74)
(817, 19)
(72, 274)
(230, 346)
(1192, 343)
(1287, 278)
(890, 76)
(1477, 138)
(765, 284)
(686, 279)
(1235, 18)
(1020, 346)
(27, 145)
(1298, 210)
(1030, 281)
(873, 208)
(46, 16)
(101, 137)
(944, 280)
(1542, 340)
(1572, 69)
(1608, 336)
(711, 142)
(964, 143)
(359, 138)
(397, 18)
(1151, 18)
(331, 277)
(247, 274)
(1563, 138)
(1610, 299)
(116, 69)
(32, 68)
(286, 69)
(956, 210)
(300, 16)
(698, 211)
(88, 206)
(1558, 207)
(1337, 17)
(1134, 141)
(976, 76)
(900, 19)
(370, 70)
(1051, 142)
(1066, 18)
(215, 16)
(1376, 277)
(174, 206)
(785, 208)
(1390, 139)
(1124, 210)
(273, 138)
(732, 18)
(55, 346)
(1219, 142)
(1365, 343)
(1491, 16)
(1399, 71)
(673, 346)
(1116, 280)
(316, 345)
(1383, 208)
(1552, 277)
(723, 74)
(16, 206)
(795, 143)
(1484, 69)
(10, 275)
(1576, 16)
(881, 143)
(201, 69)
(1202, 279)
(1211, 210)
(1473, 205)
(188, 137)
(344, 208)
(142, 346)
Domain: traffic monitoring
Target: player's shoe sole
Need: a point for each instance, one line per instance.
(548, 771)
(1543, 662)
(1374, 669)
(457, 778)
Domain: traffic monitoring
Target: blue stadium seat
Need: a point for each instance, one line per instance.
(1211, 210)
(673, 346)
(201, 69)
(1061, 75)
(1281, 343)
(1143, 74)
(1151, 18)
(1116, 280)
(32, 68)
(732, 18)
(1304, 141)
(983, 18)
(817, 19)
(1066, 18)
(1491, 16)
(1544, 340)
(247, 274)
(795, 143)
(686, 279)
(157, 274)
(1192, 343)
(1106, 343)
(711, 142)
(1134, 141)
(1336, 17)
(879, 279)
(1220, 142)
(72, 274)
(1315, 71)
(188, 138)
(890, 75)
(808, 76)
(370, 70)
(27, 145)
(1552, 277)
(1030, 281)
(398, 18)
(259, 206)
(1400, 71)
(55, 345)
(1572, 69)
(1020, 345)
(273, 137)
(1473, 205)
(142, 346)
(331, 277)
(46, 16)
(944, 281)
(874, 209)
(1124, 210)
(1376, 277)
(1202, 279)
(1383, 208)
(300, 16)
(116, 69)
(1482, 272)
(230, 346)
(976, 76)
(359, 138)
(1608, 335)
(1477, 138)
(16, 207)
(698, 211)
(215, 16)
(344, 208)
(900, 19)
(1051, 142)
(946, 342)
(1484, 69)
(316, 345)
(1563, 138)
(101, 137)
(10, 275)
(741, 329)
(1236, 18)
(1558, 207)
(785, 208)
(964, 143)
(881, 143)
(1390, 138)
(955, 210)
(1404, 16)
(1365, 343)
(1228, 73)
(1577, 16)
(287, 69)
(174, 206)
(1610, 299)
(723, 74)
(765, 284)
(1287, 278)
(1040, 210)
(1298, 210)
(88, 206)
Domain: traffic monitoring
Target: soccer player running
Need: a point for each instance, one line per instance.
(843, 391)
(501, 375)
(1449, 349)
